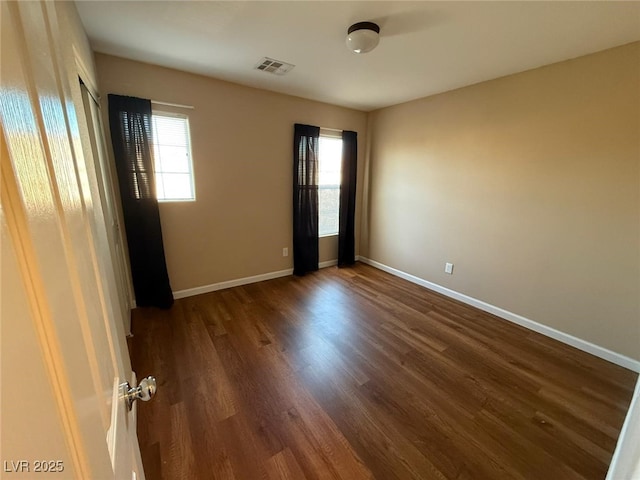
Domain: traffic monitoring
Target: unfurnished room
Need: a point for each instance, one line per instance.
(309, 240)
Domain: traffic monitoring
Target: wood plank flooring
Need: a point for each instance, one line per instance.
(355, 374)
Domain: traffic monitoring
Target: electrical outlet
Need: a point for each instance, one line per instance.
(448, 268)
(285, 252)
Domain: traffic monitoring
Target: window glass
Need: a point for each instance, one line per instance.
(329, 166)
(172, 157)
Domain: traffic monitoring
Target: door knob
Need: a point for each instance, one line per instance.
(145, 391)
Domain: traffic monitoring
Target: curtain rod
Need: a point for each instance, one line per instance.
(176, 105)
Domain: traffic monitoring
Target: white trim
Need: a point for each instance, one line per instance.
(563, 337)
(626, 462)
(173, 105)
(189, 292)
(328, 263)
(87, 78)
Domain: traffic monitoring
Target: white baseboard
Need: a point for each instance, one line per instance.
(190, 292)
(626, 457)
(563, 337)
(231, 283)
(328, 263)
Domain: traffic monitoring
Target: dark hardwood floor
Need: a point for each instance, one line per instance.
(352, 374)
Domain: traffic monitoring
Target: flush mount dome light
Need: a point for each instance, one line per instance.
(362, 37)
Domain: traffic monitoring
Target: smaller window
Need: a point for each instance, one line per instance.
(329, 167)
(172, 161)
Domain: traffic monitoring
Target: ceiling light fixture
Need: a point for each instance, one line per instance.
(362, 37)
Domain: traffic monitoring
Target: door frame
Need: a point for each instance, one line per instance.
(109, 193)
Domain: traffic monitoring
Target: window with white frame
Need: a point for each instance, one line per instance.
(173, 165)
(329, 175)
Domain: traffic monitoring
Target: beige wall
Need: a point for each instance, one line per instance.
(530, 185)
(242, 150)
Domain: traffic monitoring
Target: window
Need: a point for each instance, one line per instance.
(172, 157)
(329, 166)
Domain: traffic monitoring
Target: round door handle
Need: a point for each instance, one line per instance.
(145, 391)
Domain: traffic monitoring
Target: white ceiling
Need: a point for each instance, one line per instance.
(425, 47)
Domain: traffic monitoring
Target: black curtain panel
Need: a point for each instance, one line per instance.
(130, 122)
(346, 233)
(305, 198)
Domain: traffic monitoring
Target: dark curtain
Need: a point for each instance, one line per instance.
(305, 198)
(130, 122)
(346, 233)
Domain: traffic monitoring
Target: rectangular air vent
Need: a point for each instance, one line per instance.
(277, 67)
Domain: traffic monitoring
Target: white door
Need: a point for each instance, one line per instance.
(64, 356)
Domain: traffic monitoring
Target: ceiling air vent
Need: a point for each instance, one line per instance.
(276, 67)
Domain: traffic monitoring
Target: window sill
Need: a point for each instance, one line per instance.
(328, 235)
(177, 200)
